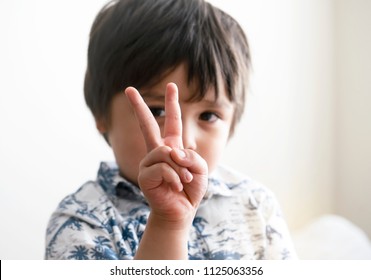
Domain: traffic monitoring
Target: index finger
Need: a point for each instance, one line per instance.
(148, 125)
(173, 119)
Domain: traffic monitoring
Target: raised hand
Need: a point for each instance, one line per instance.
(172, 178)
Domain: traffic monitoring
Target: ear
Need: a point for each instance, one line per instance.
(101, 125)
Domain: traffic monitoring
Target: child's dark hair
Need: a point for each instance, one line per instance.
(136, 42)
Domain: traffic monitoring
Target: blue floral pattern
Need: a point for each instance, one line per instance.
(105, 220)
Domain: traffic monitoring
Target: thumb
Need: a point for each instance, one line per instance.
(189, 159)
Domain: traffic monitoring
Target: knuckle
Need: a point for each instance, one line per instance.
(162, 153)
(164, 168)
(164, 150)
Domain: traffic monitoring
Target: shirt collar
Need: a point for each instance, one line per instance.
(217, 187)
(114, 184)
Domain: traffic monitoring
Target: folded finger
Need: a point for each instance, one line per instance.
(162, 154)
(159, 175)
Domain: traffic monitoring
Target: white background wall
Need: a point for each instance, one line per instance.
(306, 132)
(352, 70)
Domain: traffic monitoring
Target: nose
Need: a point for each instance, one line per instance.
(189, 135)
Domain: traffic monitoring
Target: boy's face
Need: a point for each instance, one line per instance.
(206, 123)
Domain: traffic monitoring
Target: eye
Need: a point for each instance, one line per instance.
(209, 117)
(157, 111)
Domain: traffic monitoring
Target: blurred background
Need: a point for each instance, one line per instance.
(306, 133)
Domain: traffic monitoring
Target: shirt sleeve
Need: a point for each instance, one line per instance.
(82, 230)
(74, 239)
(279, 244)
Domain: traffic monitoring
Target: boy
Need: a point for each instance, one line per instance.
(184, 66)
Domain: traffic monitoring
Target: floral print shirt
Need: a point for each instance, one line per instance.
(105, 219)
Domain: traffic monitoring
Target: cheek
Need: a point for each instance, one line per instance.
(129, 149)
(212, 148)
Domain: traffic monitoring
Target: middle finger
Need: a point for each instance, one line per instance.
(173, 119)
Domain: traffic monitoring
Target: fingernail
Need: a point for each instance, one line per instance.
(188, 176)
(181, 154)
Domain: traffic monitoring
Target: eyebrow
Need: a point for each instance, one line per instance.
(217, 103)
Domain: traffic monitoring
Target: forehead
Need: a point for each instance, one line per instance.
(190, 90)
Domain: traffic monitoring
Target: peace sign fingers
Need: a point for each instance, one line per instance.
(149, 125)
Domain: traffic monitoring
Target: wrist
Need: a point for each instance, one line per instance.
(161, 223)
(163, 239)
